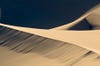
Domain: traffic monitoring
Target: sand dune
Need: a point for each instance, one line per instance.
(23, 46)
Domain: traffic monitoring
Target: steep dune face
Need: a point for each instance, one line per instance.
(44, 50)
(24, 49)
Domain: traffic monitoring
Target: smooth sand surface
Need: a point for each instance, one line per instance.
(10, 58)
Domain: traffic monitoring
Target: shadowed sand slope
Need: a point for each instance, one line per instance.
(20, 48)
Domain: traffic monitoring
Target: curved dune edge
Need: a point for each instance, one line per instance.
(92, 16)
(86, 39)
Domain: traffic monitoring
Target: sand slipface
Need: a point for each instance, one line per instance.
(17, 45)
(78, 38)
(49, 52)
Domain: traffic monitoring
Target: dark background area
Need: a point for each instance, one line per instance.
(45, 13)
